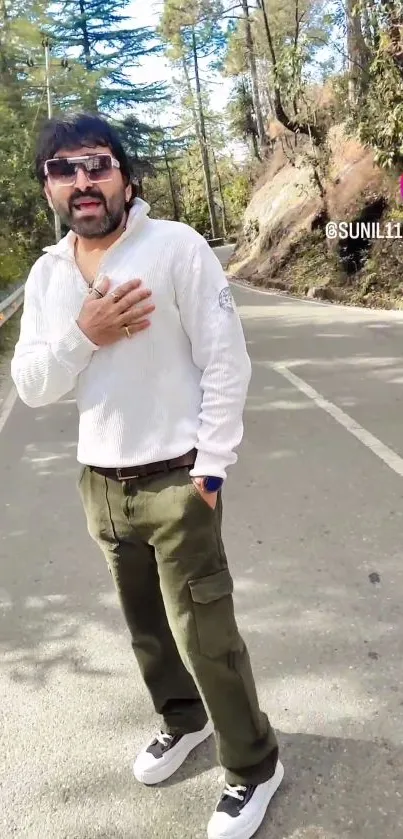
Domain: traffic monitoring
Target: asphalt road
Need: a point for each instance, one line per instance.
(313, 528)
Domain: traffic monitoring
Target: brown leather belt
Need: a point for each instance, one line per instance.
(128, 473)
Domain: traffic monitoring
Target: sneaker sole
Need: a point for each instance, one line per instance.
(253, 827)
(157, 775)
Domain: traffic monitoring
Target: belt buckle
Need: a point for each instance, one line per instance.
(120, 477)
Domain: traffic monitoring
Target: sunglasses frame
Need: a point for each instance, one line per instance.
(81, 160)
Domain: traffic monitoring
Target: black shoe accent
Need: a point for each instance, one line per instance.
(232, 805)
(158, 748)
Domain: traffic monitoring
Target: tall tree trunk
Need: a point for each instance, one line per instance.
(86, 37)
(184, 191)
(203, 143)
(222, 199)
(353, 53)
(250, 118)
(358, 54)
(5, 67)
(367, 28)
(3, 42)
(191, 99)
(175, 205)
(293, 124)
(196, 124)
(93, 99)
(255, 147)
(250, 48)
(296, 41)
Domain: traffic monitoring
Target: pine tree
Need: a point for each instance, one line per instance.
(137, 139)
(191, 28)
(357, 50)
(24, 226)
(101, 36)
(251, 53)
(241, 114)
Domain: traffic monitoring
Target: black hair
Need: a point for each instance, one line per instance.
(75, 130)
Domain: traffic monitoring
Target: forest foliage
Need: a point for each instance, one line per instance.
(193, 161)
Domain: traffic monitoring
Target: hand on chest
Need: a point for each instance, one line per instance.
(68, 288)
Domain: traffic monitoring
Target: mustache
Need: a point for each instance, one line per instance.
(89, 193)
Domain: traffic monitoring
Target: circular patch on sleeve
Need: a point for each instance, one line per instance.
(226, 300)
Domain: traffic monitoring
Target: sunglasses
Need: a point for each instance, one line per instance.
(97, 167)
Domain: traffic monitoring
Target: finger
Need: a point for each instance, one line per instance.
(136, 313)
(138, 326)
(101, 286)
(119, 292)
(126, 303)
(133, 328)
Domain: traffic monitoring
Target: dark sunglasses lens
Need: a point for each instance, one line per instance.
(99, 166)
(61, 170)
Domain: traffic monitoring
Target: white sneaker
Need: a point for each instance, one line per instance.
(166, 753)
(241, 809)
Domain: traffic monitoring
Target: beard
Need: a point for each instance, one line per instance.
(98, 225)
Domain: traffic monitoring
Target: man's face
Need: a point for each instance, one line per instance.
(92, 210)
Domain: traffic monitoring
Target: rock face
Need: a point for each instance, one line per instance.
(287, 209)
(321, 293)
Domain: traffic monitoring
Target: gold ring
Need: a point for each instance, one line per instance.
(128, 333)
(114, 295)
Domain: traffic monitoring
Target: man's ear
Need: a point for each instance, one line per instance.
(48, 198)
(130, 192)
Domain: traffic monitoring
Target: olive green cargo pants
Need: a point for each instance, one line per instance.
(164, 549)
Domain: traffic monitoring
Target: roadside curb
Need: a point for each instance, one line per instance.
(394, 314)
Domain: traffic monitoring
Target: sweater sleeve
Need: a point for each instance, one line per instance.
(44, 368)
(210, 319)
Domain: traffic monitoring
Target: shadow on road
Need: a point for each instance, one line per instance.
(333, 789)
(313, 532)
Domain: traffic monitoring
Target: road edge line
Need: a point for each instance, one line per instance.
(394, 314)
(381, 450)
(7, 406)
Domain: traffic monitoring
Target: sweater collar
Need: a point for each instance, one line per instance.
(137, 216)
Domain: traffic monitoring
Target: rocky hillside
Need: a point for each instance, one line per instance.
(283, 243)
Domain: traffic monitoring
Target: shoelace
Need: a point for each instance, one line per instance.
(164, 739)
(234, 791)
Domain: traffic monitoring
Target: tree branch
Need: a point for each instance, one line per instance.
(339, 50)
(296, 38)
(293, 125)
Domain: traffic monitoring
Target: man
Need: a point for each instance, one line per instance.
(137, 316)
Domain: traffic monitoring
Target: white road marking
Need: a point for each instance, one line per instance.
(7, 407)
(387, 455)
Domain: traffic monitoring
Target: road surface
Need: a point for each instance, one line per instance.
(313, 528)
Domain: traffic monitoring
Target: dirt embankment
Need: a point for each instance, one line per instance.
(283, 243)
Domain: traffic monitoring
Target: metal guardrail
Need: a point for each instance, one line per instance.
(11, 304)
(216, 243)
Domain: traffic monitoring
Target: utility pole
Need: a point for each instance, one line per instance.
(46, 46)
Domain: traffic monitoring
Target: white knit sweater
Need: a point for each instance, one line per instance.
(182, 383)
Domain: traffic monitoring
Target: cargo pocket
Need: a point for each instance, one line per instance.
(214, 616)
